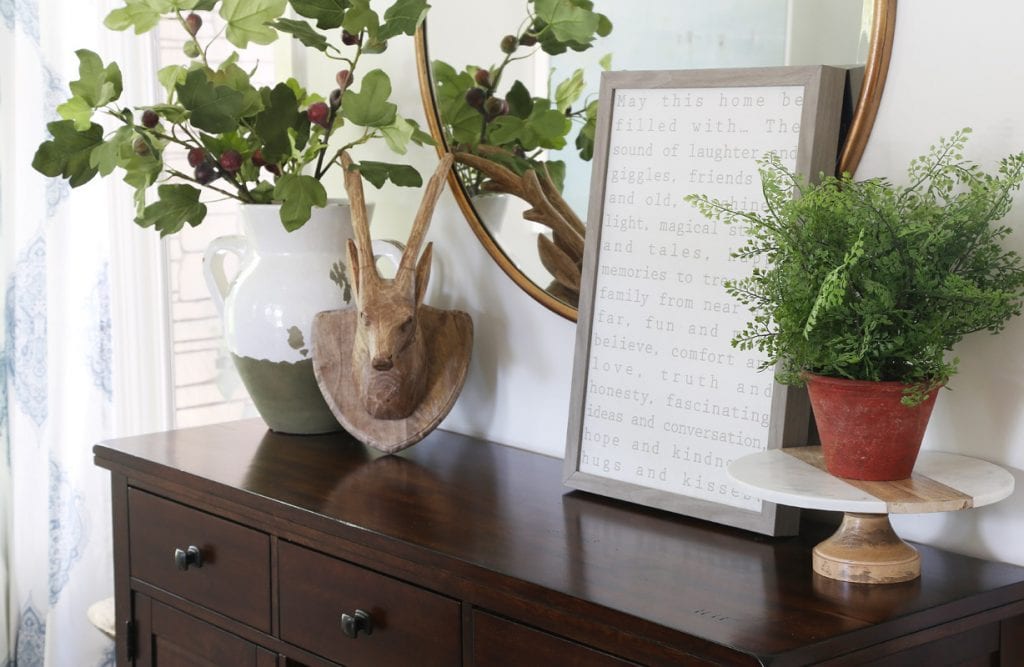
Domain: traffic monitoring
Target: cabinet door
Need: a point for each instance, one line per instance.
(170, 638)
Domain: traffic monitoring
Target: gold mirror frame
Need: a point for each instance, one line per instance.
(875, 70)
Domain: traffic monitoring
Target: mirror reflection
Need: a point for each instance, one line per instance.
(516, 83)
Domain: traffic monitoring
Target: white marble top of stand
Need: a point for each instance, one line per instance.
(940, 482)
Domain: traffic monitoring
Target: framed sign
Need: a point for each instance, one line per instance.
(661, 402)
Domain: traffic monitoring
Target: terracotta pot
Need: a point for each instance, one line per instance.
(866, 432)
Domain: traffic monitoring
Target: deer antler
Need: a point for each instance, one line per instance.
(362, 265)
(527, 187)
(550, 192)
(422, 222)
(562, 257)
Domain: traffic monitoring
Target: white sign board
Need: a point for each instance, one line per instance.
(661, 400)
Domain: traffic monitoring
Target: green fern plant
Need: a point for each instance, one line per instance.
(867, 280)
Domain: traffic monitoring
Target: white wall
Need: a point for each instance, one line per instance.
(957, 64)
(951, 66)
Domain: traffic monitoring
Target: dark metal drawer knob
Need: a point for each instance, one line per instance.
(352, 624)
(186, 558)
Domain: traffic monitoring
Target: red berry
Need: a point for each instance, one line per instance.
(495, 107)
(260, 161)
(206, 173)
(527, 39)
(483, 78)
(230, 160)
(140, 147)
(196, 156)
(475, 98)
(348, 39)
(509, 43)
(193, 22)
(150, 118)
(318, 113)
(344, 79)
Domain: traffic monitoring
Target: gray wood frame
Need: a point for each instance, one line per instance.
(790, 423)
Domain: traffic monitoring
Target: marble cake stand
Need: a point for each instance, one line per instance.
(865, 549)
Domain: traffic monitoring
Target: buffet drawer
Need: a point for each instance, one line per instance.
(234, 575)
(317, 590)
(497, 641)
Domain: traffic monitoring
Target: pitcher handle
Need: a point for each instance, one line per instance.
(388, 248)
(213, 265)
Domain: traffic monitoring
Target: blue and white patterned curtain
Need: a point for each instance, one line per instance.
(56, 372)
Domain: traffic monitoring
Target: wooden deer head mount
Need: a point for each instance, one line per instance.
(391, 367)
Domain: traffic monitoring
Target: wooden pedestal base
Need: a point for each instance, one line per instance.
(866, 550)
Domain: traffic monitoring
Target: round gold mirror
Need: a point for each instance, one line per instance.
(665, 34)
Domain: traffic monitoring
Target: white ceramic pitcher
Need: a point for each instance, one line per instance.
(284, 279)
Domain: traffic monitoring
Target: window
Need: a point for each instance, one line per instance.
(206, 387)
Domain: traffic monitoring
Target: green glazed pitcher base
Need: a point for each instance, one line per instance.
(286, 395)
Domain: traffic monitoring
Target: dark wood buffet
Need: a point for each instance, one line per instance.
(235, 545)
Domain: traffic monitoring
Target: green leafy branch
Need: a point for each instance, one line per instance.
(255, 145)
(522, 125)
